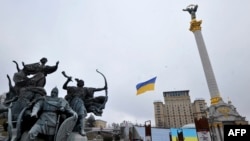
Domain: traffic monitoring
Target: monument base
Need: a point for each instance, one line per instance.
(225, 112)
(75, 136)
(221, 114)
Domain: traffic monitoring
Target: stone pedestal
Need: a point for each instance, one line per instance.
(221, 114)
(75, 136)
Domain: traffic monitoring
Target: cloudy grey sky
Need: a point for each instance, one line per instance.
(130, 41)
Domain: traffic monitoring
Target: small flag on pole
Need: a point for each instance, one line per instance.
(148, 85)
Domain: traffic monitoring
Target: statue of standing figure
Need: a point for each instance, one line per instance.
(51, 108)
(192, 10)
(82, 101)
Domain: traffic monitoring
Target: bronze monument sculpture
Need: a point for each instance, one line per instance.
(82, 100)
(35, 116)
(191, 10)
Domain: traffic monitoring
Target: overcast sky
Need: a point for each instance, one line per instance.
(130, 41)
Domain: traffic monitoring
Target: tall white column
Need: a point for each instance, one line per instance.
(207, 67)
(222, 132)
(217, 133)
(195, 27)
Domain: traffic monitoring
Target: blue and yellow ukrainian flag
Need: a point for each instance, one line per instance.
(146, 86)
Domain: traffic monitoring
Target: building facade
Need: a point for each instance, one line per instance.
(176, 112)
(159, 110)
(100, 123)
(178, 108)
(199, 107)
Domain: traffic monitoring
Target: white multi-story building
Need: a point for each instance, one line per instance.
(176, 112)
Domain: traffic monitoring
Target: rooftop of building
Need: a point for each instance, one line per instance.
(190, 125)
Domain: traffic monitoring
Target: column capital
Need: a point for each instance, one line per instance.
(215, 100)
(195, 25)
(220, 124)
(216, 124)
